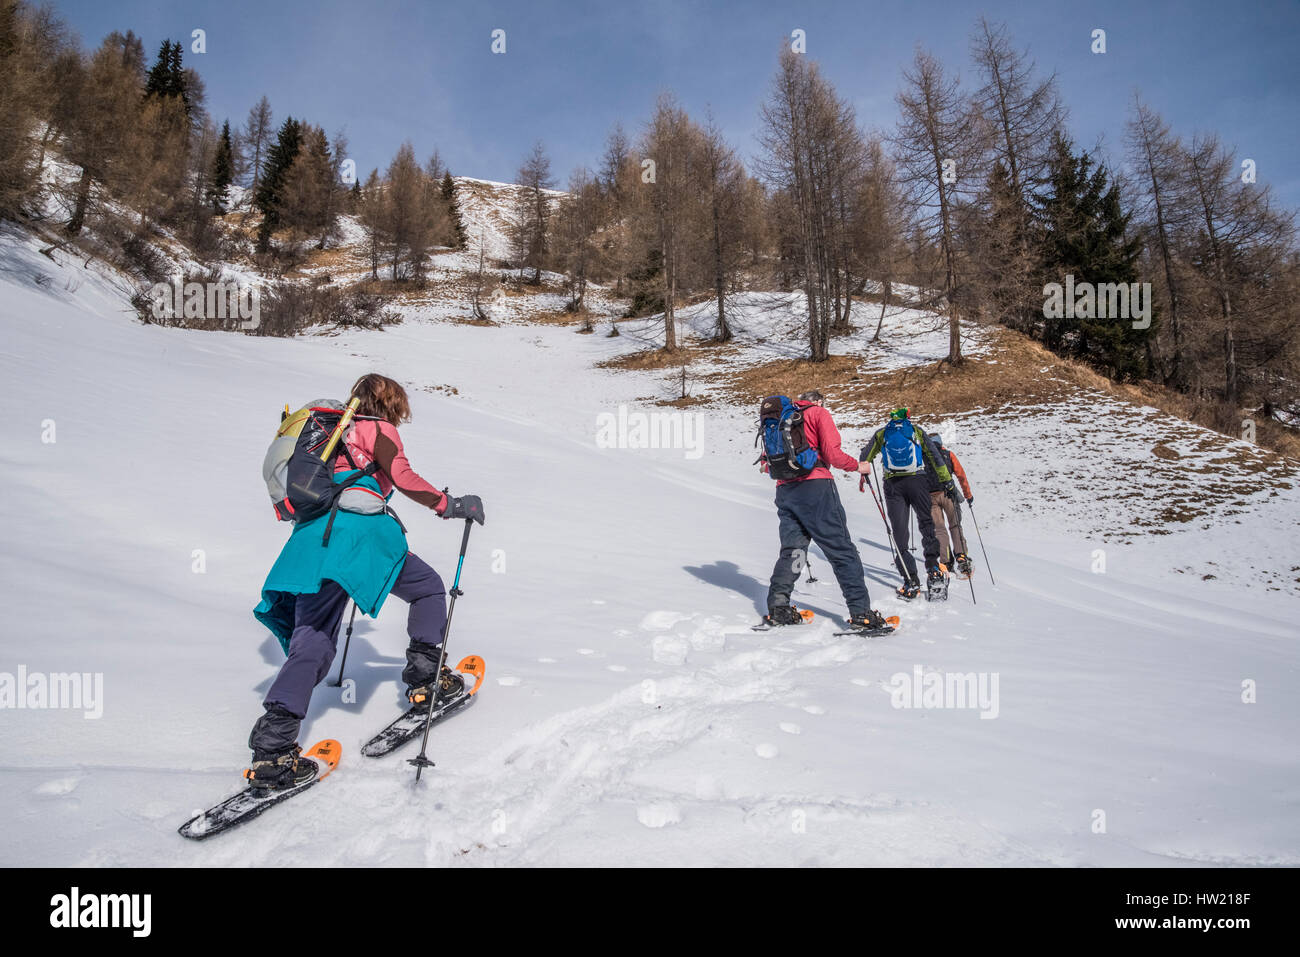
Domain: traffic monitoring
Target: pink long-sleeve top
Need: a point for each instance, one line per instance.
(372, 440)
(820, 431)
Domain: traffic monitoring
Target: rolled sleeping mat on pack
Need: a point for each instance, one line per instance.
(339, 429)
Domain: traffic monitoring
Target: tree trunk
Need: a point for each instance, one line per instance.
(883, 306)
(719, 276)
(1175, 373)
(946, 242)
(45, 140)
(670, 296)
(1230, 389)
(83, 200)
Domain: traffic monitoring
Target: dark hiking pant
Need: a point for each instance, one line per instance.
(315, 640)
(902, 493)
(811, 511)
(947, 524)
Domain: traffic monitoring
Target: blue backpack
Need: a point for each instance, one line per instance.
(901, 454)
(785, 447)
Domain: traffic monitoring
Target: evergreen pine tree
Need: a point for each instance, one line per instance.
(176, 76)
(453, 210)
(167, 75)
(1084, 234)
(159, 80)
(269, 191)
(223, 171)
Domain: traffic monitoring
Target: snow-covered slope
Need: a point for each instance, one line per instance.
(488, 211)
(630, 714)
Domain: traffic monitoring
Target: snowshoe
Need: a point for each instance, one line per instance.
(964, 567)
(786, 615)
(872, 623)
(909, 590)
(277, 772)
(936, 584)
(449, 686)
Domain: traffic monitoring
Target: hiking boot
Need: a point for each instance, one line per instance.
(963, 563)
(784, 615)
(276, 772)
(935, 574)
(871, 621)
(909, 590)
(449, 686)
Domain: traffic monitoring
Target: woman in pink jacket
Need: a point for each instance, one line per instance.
(315, 613)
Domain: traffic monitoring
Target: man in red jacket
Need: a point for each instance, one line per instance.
(809, 509)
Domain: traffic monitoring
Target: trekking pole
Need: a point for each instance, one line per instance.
(970, 580)
(421, 761)
(981, 538)
(898, 561)
(808, 565)
(348, 641)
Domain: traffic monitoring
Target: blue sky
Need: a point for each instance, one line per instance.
(390, 70)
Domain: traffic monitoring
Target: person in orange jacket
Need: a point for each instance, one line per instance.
(946, 513)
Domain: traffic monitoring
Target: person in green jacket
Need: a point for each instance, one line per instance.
(905, 449)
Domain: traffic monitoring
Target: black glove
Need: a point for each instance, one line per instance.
(467, 506)
(970, 500)
(950, 489)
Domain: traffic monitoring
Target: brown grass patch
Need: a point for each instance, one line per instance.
(556, 317)
(644, 359)
(1162, 451)
(791, 377)
(335, 259)
(685, 401)
(403, 293)
(1015, 371)
(1005, 376)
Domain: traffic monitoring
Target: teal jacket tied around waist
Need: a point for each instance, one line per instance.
(365, 555)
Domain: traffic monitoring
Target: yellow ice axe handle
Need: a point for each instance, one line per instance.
(337, 434)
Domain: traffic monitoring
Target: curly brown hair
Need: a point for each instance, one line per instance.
(382, 398)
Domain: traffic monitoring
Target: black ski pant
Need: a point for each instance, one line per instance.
(810, 510)
(902, 493)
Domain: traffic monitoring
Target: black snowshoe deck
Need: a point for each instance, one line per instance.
(251, 802)
(411, 722)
